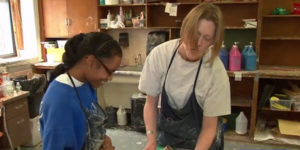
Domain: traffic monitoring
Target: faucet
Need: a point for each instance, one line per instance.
(138, 60)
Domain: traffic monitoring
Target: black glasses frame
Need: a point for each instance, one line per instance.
(104, 66)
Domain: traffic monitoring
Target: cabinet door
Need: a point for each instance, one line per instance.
(55, 15)
(19, 130)
(83, 16)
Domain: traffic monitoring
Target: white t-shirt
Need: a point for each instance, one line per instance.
(212, 89)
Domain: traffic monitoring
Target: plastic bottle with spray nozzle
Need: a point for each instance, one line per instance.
(250, 61)
(235, 58)
(224, 56)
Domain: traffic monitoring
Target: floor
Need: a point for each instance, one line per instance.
(131, 140)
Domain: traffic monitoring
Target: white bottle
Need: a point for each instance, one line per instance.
(241, 123)
(108, 19)
(121, 116)
(18, 87)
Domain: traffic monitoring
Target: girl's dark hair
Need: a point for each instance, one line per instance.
(95, 43)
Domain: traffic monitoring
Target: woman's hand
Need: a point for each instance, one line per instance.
(151, 145)
(107, 144)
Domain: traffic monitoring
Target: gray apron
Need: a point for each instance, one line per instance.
(95, 119)
(181, 128)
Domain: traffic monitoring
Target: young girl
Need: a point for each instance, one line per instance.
(70, 116)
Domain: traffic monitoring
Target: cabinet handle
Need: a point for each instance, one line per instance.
(68, 21)
(20, 121)
(19, 106)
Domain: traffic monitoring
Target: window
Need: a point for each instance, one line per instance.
(7, 46)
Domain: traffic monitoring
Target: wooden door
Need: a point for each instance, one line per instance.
(83, 16)
(55, 15)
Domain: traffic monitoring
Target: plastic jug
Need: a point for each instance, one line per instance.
(121, 116)
(224, 56)
(235, 58)
(250, 61)
(122, 14)
(245, 50)
(108, 19)
(241, 123)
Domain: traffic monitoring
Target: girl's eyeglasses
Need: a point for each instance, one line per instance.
(104, 66)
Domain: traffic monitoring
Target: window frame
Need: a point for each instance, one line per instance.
(16, 28)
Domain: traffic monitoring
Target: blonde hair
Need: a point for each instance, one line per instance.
(189, 28)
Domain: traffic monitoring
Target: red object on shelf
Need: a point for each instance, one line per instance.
(296, 9)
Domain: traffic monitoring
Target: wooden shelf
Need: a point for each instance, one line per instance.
(239, 28)
(118, 5)
(179, 3)
(280, 16)
(244, 73)
(126, 28)
(235, 2)
(279, 72)
(241, 102)
(165, 27)
(139, 28)
(231, 135)
(280, 38)
(269, 109)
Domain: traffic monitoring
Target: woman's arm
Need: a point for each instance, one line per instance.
(207, 134)
(150, 117)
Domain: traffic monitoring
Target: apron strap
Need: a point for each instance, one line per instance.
(82, 108)
(173, 56)
(76, 91)
(197, 74)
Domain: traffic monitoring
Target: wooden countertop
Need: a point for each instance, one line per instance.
(5, 100)
(46, 65)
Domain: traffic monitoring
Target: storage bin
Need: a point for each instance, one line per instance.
(35, 136)
(57, 53)
(281, 104)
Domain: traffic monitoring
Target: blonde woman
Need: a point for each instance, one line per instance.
(192, 83)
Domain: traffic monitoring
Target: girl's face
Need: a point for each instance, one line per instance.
(206, 34)
(101, 70)
(205, 39)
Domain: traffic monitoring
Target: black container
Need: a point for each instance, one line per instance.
(36, 87)
(155, 38)
(111, 115)
(137, 109)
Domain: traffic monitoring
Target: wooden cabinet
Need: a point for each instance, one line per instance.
(15, 118)
(65, 18)
(55, 22)
(279, 36)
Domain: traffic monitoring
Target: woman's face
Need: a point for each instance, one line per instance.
(101, 70)
(206, 35)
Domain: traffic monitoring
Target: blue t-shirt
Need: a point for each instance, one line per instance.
(61, 117)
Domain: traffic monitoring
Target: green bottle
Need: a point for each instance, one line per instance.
(102, 2)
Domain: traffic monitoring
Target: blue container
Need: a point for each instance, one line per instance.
(224, 56)
(250, 61)
(244, 56)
